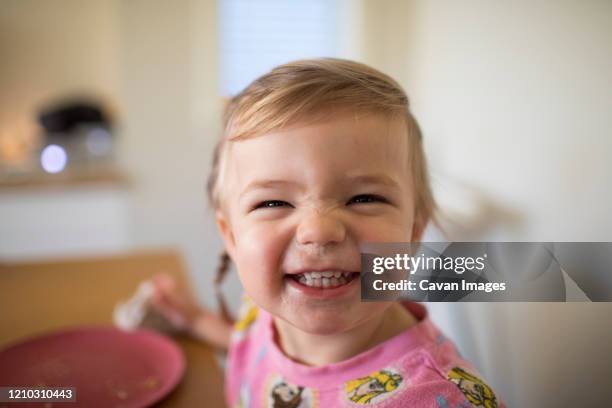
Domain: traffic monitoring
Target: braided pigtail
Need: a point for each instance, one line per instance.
(222, 270)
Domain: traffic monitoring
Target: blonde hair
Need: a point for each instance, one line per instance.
(306, 90)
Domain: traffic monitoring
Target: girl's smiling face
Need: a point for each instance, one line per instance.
(297, 203)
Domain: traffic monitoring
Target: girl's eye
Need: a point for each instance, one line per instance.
(367, 198)
(272, 204)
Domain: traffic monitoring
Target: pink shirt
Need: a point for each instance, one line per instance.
(417, 368)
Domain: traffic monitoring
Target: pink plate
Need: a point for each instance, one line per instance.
(107, 366)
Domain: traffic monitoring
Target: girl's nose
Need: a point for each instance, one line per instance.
(320, 229)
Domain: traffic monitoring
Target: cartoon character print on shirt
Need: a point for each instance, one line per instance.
(373, 388)
(475, 390)
(282, 394)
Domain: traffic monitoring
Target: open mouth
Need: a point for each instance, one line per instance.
(325, 279)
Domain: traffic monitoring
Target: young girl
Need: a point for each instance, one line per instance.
(319, 156)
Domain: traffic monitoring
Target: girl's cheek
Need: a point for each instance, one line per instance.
(384, 231)
(260, 247)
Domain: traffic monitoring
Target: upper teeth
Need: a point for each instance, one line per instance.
(326, 279)
(325, 274)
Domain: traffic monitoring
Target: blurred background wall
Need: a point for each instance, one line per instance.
(51, 48)
(513, 98)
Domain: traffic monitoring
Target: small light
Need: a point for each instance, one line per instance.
(53, 158)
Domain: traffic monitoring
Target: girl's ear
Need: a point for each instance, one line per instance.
(226, 232)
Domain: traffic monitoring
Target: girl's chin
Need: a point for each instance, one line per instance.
(323, 320)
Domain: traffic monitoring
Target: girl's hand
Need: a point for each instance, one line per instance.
(178, 307)
(185, 314)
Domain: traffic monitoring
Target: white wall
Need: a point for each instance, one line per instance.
(169, 88)
(56, 47)
(514, 100)
(52, 222)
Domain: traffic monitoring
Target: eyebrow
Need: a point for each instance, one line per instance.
(266, 184)
(374, 179)
(381, 179)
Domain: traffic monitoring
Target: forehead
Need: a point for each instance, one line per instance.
(345, 145)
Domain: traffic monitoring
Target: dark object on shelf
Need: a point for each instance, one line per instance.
(67, 117)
